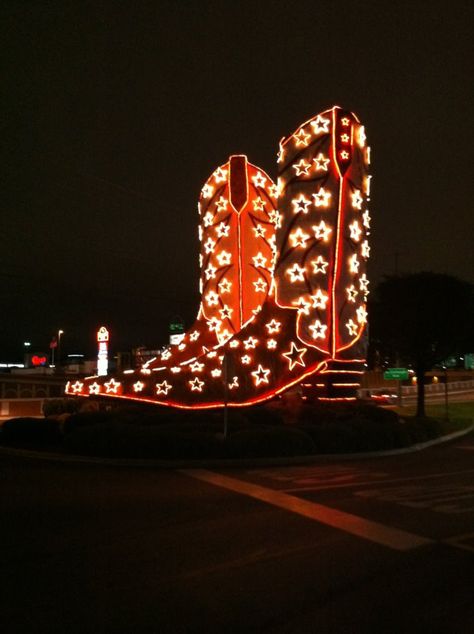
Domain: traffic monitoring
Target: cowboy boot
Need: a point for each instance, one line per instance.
(237, 236)
(314, 317)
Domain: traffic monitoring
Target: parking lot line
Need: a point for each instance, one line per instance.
(373, 531)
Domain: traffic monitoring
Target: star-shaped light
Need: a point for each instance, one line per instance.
(112, 386)
(196, 366)
(366, 218)
(320, 299)
(260, 375)
(208, 218)
(365, 249)
(299, 238)
(345, 138)
(225, 285)
(271, 344)
(216, 373)
(224, 258)
(222, 203)
(234, 384)
(260, 286)
(94, 388)
(235, 343)
(321, 231)
(301, 138)
(321, 162)
(259, 204)
(301, 204)
(259, 180)
(302, 305)
(344, 154)
(138, 386)
(214, 324)
(273, 189)
(296, 273)
(212, 354)
(280, 154)
(319, 265)
(345, 121)
(212, 298)
(352, 327)
(196, 385)
(273, 326)
(295, 356)
(163, 388)
(364, 283)
(275, 218)
(77, 387)
(226, 312)
(246, 359)
(222, 230)
(210, 272)
(259, 231)
(175, 369)
(250, 343)
(224, 336)
(166, 354)
(181, 346)
(351, 293)
(259, 260)
(361, 315)
(320, 124)
(321, 198)
(302, 167)
(357, 199)
(209, 245)
(318, 329)
(194, 336)
(220, 175)
(355, 230)
(354, 264)
(207, 191)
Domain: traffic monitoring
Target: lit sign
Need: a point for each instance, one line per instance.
(103, 353)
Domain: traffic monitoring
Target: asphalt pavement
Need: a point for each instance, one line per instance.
(377, 545)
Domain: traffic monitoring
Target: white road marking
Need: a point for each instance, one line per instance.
(323, 487)
(353, 524)
(460, 541)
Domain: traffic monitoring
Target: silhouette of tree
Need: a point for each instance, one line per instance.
(421, 319)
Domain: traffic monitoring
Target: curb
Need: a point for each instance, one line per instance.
(229, 463)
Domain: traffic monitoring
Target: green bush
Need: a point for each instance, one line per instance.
(31, 431)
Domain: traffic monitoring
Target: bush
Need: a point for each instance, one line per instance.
(121, 440)
(261, 442)
(31, 431)
(57, 406)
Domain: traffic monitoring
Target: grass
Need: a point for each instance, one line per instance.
(461, 415)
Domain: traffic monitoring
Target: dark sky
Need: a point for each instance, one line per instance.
(115, 113)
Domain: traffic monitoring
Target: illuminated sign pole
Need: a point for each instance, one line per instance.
(103, 354)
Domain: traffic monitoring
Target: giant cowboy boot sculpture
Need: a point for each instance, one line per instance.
(237, 208)
(314, 318)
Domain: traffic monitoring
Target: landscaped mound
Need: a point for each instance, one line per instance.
(273, 430)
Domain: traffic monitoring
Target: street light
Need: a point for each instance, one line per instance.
(60, 332)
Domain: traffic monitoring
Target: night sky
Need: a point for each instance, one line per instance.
(115, 114)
